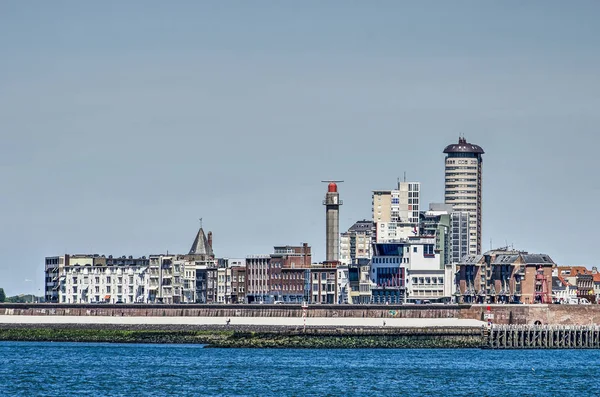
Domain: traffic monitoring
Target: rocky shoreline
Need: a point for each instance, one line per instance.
(246, 336)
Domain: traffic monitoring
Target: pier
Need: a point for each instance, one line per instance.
(543, 337)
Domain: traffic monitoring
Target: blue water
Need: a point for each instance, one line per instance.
(98, 369)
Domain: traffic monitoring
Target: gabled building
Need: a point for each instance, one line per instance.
(504, 276)
(562, 291)
(580, 277)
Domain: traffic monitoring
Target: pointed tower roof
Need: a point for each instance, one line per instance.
(201, 246)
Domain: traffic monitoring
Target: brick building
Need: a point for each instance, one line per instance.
(504, 276)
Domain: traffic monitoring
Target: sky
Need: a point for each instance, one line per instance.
(124, 122)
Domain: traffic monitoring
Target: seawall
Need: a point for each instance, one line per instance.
(502, 314)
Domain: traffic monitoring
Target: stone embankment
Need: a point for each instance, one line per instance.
(503, 314)
(249, 336)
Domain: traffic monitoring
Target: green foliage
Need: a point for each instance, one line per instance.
(228, 339)
(2, 295)
(21, 299)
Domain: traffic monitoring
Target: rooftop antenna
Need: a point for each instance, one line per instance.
(404, 176)
(200, 223)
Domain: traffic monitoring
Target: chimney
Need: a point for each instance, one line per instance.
(210, 239)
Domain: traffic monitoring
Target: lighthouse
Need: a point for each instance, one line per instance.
(332, 204)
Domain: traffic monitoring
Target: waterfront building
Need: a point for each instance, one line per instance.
(395, 213)
(562, 291)
(91, 278)
(202, 268)
(231, 280)
(166, 279)
(343, 282)
(463, 186)
(426, 272)
(206, 273)
(360, 285)
(456, 228)
(257, 272)
(324, 284)
(388, 273)
(238, 285)
(504, 276)
(52, 272)
(356, 242)
(294, 285)
(280, 276)
(580, 277)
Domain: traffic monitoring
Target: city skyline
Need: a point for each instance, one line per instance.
(122, 125)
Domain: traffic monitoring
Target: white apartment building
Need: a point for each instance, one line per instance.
(92, 278)
(356, 242)
(425, 277)
(396, 212)
(463, 186)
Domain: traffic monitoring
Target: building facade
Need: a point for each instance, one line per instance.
(396, 212)
(93, 278)
(356, 242)
(324, 284)
(463, 186)
(504, 276)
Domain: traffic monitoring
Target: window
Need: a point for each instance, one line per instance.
(75, 289)
(428, 249)
(415, 249)
(108, 289)
(108, 279)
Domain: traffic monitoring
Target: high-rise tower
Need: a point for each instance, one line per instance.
(463, 185)
(332, 204)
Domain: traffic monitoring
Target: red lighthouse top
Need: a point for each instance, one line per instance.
(332, 188)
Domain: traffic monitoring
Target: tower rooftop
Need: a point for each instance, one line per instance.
(463, 147)
(201, 245)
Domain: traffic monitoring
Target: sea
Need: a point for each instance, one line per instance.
(103, 369)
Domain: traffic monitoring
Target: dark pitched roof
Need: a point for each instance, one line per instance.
(200, 246)
(361, 226)
(537, 259)
(505, 259)
(471, 259)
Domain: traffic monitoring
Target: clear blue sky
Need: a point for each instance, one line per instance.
(123, 122)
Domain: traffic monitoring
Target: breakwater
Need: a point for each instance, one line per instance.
(502, 314)
(253, 336)
(543, 337)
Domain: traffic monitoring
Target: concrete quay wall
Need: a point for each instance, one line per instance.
(502, 314)
(280, 311)
(535, 314)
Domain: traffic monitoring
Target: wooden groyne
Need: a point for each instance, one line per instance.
(543, 337)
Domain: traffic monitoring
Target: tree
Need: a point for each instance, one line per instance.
(2, 295)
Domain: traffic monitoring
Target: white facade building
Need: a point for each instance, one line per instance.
(396, 212)
(355, 244)
(92, 278)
